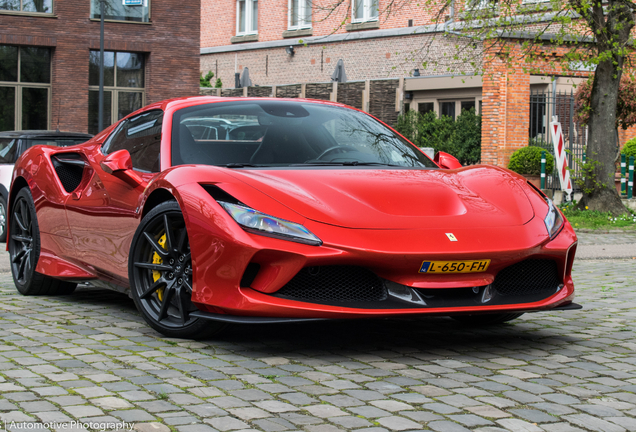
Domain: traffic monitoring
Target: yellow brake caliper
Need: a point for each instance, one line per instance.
(156, 259)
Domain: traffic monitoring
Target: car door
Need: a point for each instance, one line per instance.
(104, 215)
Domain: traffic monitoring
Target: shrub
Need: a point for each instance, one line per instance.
(527, 161)
(204, 81)
(219, 83)
(629, 149)
(461, 138)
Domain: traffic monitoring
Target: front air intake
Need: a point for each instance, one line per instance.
(334, 284)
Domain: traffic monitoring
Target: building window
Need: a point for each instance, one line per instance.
(25, 87)
(42, 6)
(299, 14)
(247, 17)
(426, 107)
(124, 85)
(122, 10)
(447, 109)
(365, 10)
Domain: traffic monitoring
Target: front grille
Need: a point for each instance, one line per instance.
(531, 276)
(334, 284)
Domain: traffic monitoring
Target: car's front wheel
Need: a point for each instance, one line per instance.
(3, 219)
(160, 272)
(486, 319)
(24, 251)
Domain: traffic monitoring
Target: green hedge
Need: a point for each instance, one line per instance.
(629, 149)
(461, 138)
(527, 161)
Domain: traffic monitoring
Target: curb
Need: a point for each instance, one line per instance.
(603, 231)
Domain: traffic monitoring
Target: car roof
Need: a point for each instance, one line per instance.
(43, 134)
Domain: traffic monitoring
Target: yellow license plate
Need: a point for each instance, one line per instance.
(454, 266)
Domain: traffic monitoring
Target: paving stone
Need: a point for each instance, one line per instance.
(587, 421)
(152, 427)
(324, 411)
(446, 426)
(78, 411)
(517, 425)
(227, 423)
(398, 423)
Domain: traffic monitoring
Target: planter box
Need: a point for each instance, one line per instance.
(534, 179)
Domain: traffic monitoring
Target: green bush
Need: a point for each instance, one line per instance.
(629, 149)
(204, 81)
(461, 138)
(527, 161)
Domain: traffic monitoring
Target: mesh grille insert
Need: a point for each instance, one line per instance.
(70, 176)
(528, 277)
(334, 284)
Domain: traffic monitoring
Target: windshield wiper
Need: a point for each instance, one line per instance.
(346, 163)
(241, 165)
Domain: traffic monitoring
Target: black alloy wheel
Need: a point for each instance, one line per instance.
(3, 219)
(24, 251)
(160, 272)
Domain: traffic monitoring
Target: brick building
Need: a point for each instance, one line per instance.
(376, 45)
(49, 59)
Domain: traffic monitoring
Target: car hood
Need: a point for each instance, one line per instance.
(480, 196)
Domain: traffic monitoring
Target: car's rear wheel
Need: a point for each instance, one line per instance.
(487, 319)
(160, 271)
(24, 251)
(3, 219)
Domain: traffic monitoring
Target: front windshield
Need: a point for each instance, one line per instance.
(282, 133)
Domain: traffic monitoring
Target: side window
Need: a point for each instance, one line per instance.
(141, 136)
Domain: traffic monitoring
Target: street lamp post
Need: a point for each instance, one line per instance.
(100, 109)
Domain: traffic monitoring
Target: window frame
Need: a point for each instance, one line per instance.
(117, 90)
(23, 12)
(302, 24)
(18, 85)
(249, 18)
(367, 9)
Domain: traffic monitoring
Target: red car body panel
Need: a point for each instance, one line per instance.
(386, 220)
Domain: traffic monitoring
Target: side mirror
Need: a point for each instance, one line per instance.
(447, 161)
(117, 161)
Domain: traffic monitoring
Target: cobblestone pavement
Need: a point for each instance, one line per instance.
(90, 357)
(587, 238)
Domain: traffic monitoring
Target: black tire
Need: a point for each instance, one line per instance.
(161, 276)
(3, 219)
(487, 319)
(24, 251)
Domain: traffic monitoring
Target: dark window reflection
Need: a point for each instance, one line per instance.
(8, 150)
(93, 110)
(35, 103)
(129, 102)
(35, 65)
(7, 108)
(467, 105)
(425, 107)
(109, 68)
(447, 109)
(130, 70)
(8, 62)
(45, 6)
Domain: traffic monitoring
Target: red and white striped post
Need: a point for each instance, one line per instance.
(561, 156)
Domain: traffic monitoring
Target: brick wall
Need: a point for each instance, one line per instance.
(218, 18)
(506, 97)
(171, 44)
(392, 57)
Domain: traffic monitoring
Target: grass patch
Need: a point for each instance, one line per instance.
(588, 219)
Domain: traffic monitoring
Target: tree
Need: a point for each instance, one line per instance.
(596, 35)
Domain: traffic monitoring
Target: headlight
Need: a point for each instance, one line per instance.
(259, 223)
(553, 220)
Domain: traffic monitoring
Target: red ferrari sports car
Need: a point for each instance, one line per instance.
(210, 211)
